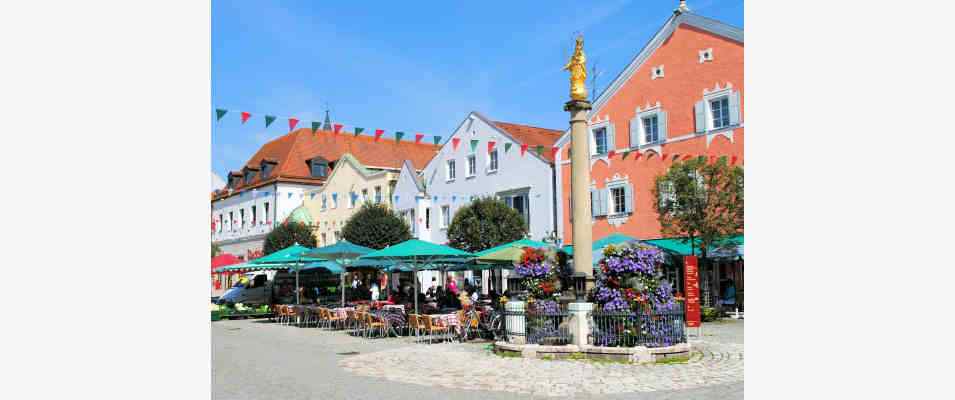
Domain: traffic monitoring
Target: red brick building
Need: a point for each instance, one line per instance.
(680, 97)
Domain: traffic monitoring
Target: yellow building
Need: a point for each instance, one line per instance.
(348, 186)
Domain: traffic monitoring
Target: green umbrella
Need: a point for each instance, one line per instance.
(420, 254)
(290, 258)
(344, 253)
(612, 239)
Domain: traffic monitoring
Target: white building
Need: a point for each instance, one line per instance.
(466, 168)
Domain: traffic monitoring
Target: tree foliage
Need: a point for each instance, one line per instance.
(485, 223)
(376, 226)
(702, 202)
(287, 234)
(216, 250)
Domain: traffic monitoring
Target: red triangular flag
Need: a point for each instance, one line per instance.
(338, 128)
(734, 160)
(687, 157)
(553, 151)
(378, 133)
(291, 124)
(418, 137)
(490, 145)
(455, 142)
(245, 116)
(712, 159)
(523, 149)
(639, 154)
(611, 153)
(664, 157)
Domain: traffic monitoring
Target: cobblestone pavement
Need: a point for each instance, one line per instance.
(253, 359)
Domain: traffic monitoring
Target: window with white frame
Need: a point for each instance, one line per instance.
(219, 228)
(242, 216)
(266, 210)
(231, 221)
(600, 141)
(719, 109)
(618, 196)
(377, 194)
(651, 129)
(253, 216)
(472, 165)
(519, 201)
(445, 216)
(449, 171)
(492, 161)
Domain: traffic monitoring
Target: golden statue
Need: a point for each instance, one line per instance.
(578, 71)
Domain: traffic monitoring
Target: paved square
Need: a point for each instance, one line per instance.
(255, 359)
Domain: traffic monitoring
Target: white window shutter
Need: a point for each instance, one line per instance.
(591, 142)
(628, 198)
(700, 110)
(602, 203)
(636, 132)
(610, 138)
(662, 125)
(734, 108)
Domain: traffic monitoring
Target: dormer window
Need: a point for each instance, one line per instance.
(250, 174)
(267, 167)
(235, 179)
(318, 167)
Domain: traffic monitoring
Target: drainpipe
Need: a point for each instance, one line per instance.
(553, 195)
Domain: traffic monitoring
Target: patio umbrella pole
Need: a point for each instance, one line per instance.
(416, 289)
(343, 288)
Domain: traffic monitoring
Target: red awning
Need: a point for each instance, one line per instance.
(222, 260)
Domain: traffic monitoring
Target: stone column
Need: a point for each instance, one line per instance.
(580, 188)
(515, 323)
(579, 322)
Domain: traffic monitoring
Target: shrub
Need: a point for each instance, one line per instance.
(376, 226)
(485, 223)
(287, 234)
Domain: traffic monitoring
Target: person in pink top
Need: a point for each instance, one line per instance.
(452, 286)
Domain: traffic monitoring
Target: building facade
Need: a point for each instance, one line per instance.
(681, 97)
(272, 184)
(348, 187)
(482, 158)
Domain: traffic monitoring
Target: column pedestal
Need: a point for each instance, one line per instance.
(580, 321)
(515, 323)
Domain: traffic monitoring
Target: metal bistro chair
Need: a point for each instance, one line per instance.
(431, 328)
(374, 324)
(351, 319)
(280, 313)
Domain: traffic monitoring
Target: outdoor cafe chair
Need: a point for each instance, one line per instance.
(374, 324)
(431, 328)
(333, 319)
(280, 313)
(351, 319)
(413, 324)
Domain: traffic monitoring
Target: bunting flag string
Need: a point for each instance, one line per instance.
(244, 116)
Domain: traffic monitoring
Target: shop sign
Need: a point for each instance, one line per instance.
(692, 282)
(252, 254)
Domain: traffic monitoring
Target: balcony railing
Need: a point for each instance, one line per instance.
(240, 231)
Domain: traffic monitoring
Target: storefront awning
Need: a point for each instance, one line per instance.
(731, 247)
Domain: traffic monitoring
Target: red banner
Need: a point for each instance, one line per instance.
(691, 280)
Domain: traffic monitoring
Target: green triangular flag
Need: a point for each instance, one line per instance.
(437, 140)
(220, 113)
(398, 136)
(315, 126)
(269, 119)
(625, 154)
(540, 150)
(507, 147)
(474, 143)
(358, 131)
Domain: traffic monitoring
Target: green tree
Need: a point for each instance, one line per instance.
(485, 223)
(287, 234)
(216, 249)
(700, 201)
(376, 226)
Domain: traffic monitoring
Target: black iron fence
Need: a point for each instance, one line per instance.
(637, 328)
(551, 327)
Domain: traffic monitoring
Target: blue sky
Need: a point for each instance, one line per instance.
(414, 66)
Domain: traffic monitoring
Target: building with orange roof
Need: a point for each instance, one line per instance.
(273, 183)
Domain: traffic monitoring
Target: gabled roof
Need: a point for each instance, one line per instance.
(678, 18)
(293, 149)
(350, 159)
(418, 181)
(525, 134)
